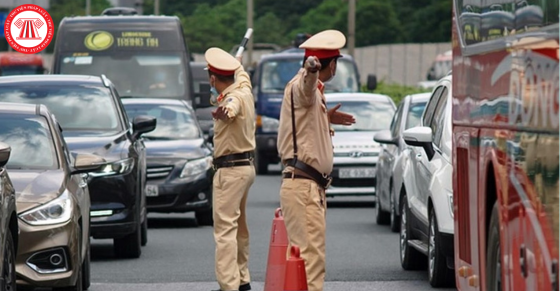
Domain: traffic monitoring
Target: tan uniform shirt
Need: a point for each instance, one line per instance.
(312, 125)
(237, 134)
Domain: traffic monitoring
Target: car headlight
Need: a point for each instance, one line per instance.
(56, 211)
(196, 167)
(269, 124)
(114, 168)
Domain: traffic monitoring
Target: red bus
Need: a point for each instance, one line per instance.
(505, 144)
(14, 63)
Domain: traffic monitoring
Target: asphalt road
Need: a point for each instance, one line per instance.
(180, 255)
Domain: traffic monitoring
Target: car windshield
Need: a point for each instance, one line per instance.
(21, 70)
(144, 75)
(31, 142)
(173, 121)
(76, 107)
(414, 115)
(369, 115)
(277, 73)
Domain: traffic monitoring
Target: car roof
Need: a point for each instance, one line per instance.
(24, 109)
(119, 18)
(46, 79)
(333, 97)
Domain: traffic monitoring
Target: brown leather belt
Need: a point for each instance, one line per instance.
(233, 160)
(305, 171)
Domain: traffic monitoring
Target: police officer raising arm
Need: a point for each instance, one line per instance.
(234, 143)
(305, 147)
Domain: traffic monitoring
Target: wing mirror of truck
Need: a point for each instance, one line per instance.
(202, 98)
(371, 82)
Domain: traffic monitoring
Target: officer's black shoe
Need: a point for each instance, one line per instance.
(245, 287)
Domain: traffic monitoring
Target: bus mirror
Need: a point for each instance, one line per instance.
(202, 98)
(371, 82)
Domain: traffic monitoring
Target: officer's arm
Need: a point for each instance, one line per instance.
(242, 78)
(232, 106)
(307, 87)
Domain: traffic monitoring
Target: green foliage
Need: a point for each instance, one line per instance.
(396, 91)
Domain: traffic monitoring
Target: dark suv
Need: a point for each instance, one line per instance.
(94, 122)
(8, 224)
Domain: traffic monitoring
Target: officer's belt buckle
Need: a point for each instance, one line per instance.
(329, 180)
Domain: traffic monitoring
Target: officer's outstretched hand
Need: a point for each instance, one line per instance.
(220, 113)
(337, 117)
(312, 64)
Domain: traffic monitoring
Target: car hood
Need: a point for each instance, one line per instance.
(350, 140)
(34, 188)
(101, 145)
(175, 149)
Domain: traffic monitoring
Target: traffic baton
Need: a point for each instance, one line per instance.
(244, 42)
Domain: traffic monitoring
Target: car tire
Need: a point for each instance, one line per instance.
(381, 216)
(144, 234)
(204, 217)
(411, 259)
(9, 273)
(439, 275)
(129, 246)
(86, 268)
(261, 164)
(394, 218)
(493, 253)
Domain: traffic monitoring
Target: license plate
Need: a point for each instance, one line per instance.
(151, 190)
(352, 173)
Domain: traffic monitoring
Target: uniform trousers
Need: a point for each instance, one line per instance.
(304, 209)
(231, 234)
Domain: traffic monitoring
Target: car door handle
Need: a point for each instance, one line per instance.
(418, 156)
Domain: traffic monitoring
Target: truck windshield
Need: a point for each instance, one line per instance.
(21, 70)
(277, 73)
(136, 75)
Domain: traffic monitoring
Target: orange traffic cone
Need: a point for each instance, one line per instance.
(276, 265)
(296, 278)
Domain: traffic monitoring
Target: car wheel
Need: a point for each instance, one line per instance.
(381, 216)
(261, 164)
(204, 218)
(439, 274)
(9, 274)
(144, 234)
(86, 268)
(129, 246)
(493, 254)
(395, 219)
(411, 259)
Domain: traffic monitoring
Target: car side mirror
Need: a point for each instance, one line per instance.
(202, 98)
(420, 136)
(85, 163)
(210, 138)
(385, 137)
(143, 124)
(371, 82)
(5, 151)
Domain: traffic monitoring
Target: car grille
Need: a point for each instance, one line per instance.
(367, 182)
(161, 200)
(158, 172)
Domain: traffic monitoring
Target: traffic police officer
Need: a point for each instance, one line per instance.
(305, 147)
(234, 143)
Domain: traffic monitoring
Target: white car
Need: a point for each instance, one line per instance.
(427, 199)
(355, 151)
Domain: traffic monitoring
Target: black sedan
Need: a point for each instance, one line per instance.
(94, 121)
(179, 160)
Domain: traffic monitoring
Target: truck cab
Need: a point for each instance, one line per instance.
(269, 79)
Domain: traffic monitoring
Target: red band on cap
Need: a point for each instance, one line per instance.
(322, 54)
(220, 72)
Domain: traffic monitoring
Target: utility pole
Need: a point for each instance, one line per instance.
(156, 7)
(88, 7)
(351, 26)
(250, 25)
